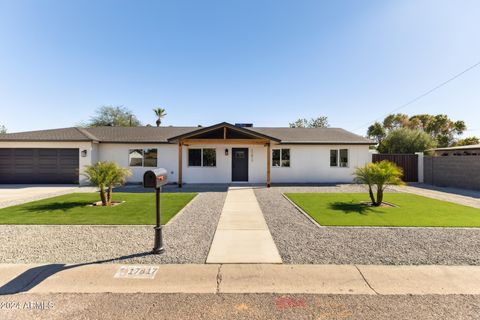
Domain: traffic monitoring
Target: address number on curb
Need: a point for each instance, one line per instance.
(136, 272)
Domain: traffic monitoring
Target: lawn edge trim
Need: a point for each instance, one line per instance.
(183, 209)
(303, 212)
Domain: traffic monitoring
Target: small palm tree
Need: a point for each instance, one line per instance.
(106, 175)
(160, 113)
(379, 175)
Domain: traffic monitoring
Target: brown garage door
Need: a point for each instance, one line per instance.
(26, 165)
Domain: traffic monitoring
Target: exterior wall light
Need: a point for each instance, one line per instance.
(84, 153)
(226, 152)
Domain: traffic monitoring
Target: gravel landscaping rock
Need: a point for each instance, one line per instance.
(187, 239)
(300, 241)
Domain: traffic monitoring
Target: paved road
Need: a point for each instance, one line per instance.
(239, 306)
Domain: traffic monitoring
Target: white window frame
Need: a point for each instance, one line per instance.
(201, 158)
(143, 157)
(281, 152)
(338, 158)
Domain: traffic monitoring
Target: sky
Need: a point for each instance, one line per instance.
(266, 62)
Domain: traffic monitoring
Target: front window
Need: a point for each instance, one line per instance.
(209, 158)
(339, 158)
(281, 158)
(194, 157)
(135, 158)
(206, 157)
(150, 157)
(343, 158)
(285, 157)
(333, 158)
(276, 158)
(143, 157)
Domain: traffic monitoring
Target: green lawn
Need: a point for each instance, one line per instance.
(344, 209)
(138, 208)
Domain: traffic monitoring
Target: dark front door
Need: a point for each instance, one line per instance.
(239, 164)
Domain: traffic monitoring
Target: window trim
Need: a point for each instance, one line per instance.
(338, 158)
(281, 153)
(201, 158)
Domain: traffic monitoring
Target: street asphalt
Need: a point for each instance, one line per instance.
(238, 306)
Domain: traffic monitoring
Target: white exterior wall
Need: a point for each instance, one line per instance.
(83, 161)
(311, 164)
(222, 173)
(118, 152)
(308, 163)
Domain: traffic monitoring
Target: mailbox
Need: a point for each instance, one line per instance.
(155, 178)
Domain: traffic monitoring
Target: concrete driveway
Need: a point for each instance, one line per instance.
(11, 194)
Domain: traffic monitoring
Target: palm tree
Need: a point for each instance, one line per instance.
(106, 175)
(380, 175)
(160, 113)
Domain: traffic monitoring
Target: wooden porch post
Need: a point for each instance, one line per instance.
(180, 164)
(268, 165)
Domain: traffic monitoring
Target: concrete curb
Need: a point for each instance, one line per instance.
(244, 278)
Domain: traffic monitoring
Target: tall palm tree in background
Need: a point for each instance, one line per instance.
(160, 113)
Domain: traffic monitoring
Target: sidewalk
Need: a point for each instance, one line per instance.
(240, 278)
(242, 235)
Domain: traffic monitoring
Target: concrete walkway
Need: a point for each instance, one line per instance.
(468, 198)
(243, 278)
(242, 235)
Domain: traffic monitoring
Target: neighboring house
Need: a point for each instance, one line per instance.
(222, 153)
(470, 150)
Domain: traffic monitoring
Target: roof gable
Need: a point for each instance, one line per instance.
(212, 130)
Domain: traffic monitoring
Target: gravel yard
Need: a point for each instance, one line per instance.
(299, 241)
(187, 239)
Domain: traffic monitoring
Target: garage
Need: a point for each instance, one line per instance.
(39, 165)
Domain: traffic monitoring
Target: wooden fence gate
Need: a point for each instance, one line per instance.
(408, 162)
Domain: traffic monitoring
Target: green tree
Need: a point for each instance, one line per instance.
(106, 175)
(376, 132)
(467, 141)
(160, 113)
(395, 121)
(319, 122)
(113, 116)
(405, 140)
(440, 127)
(378, 176)
(3, 129)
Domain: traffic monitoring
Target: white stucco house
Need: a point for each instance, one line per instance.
(222, 153)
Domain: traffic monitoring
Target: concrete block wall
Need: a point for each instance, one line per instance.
(452, 171)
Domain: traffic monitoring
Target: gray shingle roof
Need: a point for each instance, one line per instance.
(64, 134)
(162, 134)
(137, 134)
(313, 135)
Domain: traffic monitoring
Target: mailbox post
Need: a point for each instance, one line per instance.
(156, 179)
